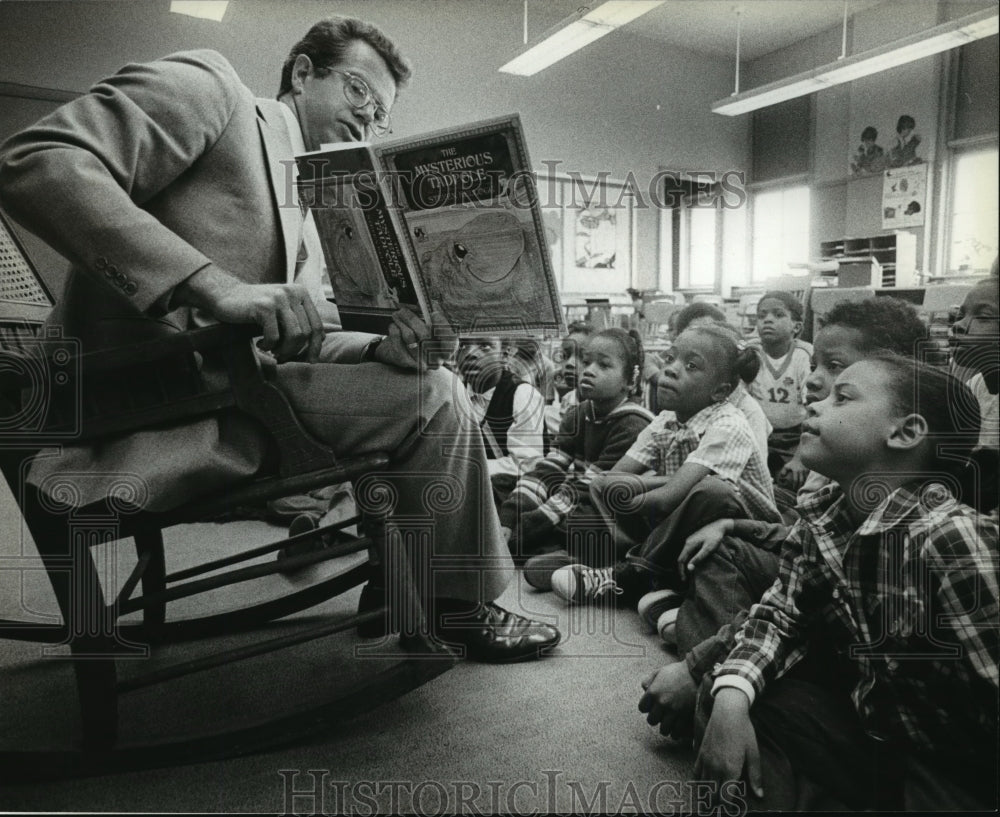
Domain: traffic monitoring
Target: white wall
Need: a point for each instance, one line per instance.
(844, 206)
(624, 104)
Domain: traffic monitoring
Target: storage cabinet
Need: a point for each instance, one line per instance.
(895, 255)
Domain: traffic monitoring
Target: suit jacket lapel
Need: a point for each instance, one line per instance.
(279, 153)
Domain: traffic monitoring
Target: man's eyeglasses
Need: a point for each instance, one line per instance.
(359, 95)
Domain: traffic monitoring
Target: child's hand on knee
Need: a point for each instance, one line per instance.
(669, 699)
(729, 749)
(701, 544)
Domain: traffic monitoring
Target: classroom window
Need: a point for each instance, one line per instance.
(780, 231)
(974, 213)
(702, 231)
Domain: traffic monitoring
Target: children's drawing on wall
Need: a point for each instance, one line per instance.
(869, 156)
(903, 150)
(596, 238)
(904, 191)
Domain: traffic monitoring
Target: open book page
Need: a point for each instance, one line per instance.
(451, 218)
(469, 203)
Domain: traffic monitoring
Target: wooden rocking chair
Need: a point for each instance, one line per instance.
(50, 393)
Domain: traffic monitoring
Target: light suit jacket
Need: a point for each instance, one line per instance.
(140, 183)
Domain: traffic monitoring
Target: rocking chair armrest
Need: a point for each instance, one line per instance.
(177, 344)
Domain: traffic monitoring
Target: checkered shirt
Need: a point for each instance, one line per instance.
(908, 600)
(718, 437)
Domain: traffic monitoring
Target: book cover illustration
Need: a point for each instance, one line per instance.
(474, 226)
(370, 271)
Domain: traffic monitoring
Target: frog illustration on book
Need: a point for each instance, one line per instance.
(483, 265)
(353, 266)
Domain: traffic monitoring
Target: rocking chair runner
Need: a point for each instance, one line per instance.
(50, 393)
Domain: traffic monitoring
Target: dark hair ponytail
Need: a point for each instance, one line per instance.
(738, 359)
(747, 361)
(953, 419)
(631, 344)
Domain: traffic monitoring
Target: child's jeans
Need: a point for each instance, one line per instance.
(816, 756)
(711, 499)
(717, 597)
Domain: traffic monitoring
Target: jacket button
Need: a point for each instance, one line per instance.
(131, 287)
(101, 263)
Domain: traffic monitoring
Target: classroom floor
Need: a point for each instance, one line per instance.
(560, 734)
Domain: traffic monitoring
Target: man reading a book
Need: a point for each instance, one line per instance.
(168, 187)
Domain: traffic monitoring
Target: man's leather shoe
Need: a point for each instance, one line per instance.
(487, 632)
(494, 635)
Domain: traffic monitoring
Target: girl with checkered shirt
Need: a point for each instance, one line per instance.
(696, 462)
(867, 676)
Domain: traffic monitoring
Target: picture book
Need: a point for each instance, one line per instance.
(450, 219)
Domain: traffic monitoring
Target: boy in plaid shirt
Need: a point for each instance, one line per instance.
(867, 675)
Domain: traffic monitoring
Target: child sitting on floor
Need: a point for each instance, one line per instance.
(728, 564)
(702, 314)
(780, 385)
(867, 676)
(552, 500)
(567, 363)
(705, 466)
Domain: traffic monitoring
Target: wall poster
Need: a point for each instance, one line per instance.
(904, 194)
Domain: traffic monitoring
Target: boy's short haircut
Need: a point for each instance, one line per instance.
(793, 304)
(885, 324)
(869, 133)
(905, 121)
(692, 312)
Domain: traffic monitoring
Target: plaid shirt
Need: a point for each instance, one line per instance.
(909, 600)
(717, 437)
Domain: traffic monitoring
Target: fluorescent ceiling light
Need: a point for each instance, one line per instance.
(206, 9)
(899, 52)
(564, 39)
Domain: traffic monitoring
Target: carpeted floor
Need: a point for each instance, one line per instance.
(561, 734)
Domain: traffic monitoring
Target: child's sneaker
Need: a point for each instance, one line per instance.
(579, 584)
(666, 626)
(538, 569)
(655, 604)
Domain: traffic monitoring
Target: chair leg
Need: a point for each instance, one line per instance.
(92, 643)
(149, 542)
(65, 549)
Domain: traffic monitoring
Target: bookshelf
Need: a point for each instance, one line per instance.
(895, 255)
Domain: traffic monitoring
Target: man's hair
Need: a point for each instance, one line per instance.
(885, 324)
(327, 42)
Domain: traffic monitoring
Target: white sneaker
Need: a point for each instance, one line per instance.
(653, 605)
(579, 584)
(666, 626)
